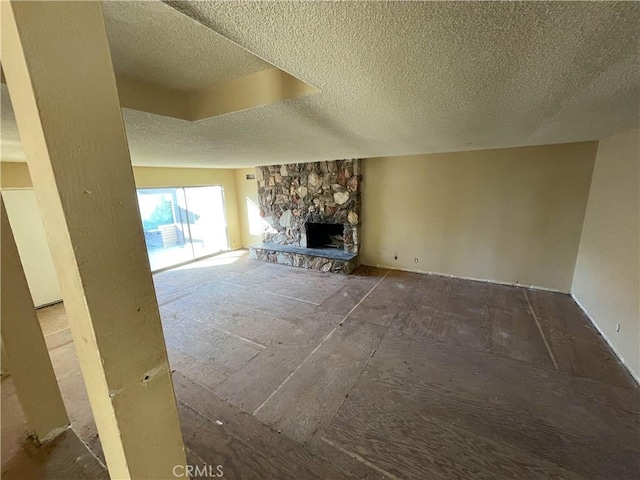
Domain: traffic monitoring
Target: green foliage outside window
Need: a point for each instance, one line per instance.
(161, 215)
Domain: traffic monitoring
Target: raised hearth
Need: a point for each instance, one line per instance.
(323, 259)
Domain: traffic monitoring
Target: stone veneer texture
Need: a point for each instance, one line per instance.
(320, 192)
(305, 261)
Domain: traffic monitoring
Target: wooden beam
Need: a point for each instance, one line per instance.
(57, 63)
(24, 346)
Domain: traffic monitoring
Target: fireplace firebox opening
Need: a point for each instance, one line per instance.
(325, 235)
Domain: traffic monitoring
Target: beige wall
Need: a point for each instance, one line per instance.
(606, 280)
(510, 215)
(24, 217)
(247, 196)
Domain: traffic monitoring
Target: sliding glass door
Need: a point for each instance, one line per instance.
(208, 228)
(182, 224)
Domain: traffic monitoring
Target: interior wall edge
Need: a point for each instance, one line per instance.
(606, 277)
(246, 190)
(613, 348)
(584, 217)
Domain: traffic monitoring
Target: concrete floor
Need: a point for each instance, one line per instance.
(295, 374)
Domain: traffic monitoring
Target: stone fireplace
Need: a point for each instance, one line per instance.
(311, 213)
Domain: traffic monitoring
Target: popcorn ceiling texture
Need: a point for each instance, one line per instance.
(152, 42)
(397, 78)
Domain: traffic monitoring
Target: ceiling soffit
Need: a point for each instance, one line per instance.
(254, 90)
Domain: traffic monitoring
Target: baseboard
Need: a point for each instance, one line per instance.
(484, 280)
(635, 376)
(49, 304)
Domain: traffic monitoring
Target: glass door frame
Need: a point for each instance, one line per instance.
(193, 254)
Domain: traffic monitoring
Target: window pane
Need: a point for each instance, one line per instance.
(163, 225)
(181, 224)
(207, 223)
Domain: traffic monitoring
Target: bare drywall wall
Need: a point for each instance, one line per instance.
(606, 281)
(510, 215)
(24, 217)
(248, 209)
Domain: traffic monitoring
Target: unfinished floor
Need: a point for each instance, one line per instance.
(285, 373)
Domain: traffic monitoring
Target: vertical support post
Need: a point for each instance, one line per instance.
(23, 343)
(4, 366)
(57, 64)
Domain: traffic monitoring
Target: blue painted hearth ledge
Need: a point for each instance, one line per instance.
(323, 259)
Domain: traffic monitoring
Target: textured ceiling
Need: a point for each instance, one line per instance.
(402, 78)
(151, 41)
